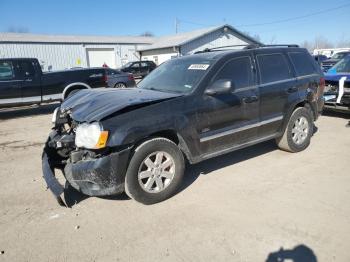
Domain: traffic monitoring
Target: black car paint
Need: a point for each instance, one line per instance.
(201, 124)
(94, 105)
(45, 86)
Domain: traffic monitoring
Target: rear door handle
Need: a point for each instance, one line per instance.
(292, 89)
(250, 99)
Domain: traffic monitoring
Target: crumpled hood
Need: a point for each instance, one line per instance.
(95, 104)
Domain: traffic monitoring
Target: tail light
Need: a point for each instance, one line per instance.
(321, 87)
(131, 77)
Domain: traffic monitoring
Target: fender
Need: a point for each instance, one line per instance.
(74, 84)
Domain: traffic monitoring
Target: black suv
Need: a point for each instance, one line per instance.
(139, 68)
(194, 107)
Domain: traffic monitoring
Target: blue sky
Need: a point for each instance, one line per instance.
(104, 17)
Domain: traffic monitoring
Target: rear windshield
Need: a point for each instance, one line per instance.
(177, 75)
(303, 65)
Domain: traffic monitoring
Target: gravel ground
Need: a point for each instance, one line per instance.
(238, 207)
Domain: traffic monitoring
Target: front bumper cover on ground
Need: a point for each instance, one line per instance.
(100, 176)
(52, 183)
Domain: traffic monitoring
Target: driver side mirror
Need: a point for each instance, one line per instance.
(221, 86)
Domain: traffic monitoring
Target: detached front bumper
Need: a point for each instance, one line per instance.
(94, 176)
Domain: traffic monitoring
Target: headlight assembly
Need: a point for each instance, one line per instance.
(54, 115)
(91, 136)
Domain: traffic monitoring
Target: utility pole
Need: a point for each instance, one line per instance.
(176, 25)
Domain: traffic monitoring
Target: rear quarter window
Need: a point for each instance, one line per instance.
(273, 67)
(302, 63)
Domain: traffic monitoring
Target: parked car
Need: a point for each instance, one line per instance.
(139, 68)
(320, 58)
(22, 82)
(194, 107)
(119, 79)
(337, 90)
(327, 64)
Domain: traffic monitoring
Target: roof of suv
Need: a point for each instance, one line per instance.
(218, 53)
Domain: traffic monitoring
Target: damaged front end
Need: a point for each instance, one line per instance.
(337, 93)
(97, 171)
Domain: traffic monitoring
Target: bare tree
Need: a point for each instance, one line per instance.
(309, 46)
(343, 42)
(322, 42)
(255, 36)
(272, 40)
(147, 33)
(17, 29)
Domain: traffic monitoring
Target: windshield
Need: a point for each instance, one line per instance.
(343, 66)
(178, 76)
(339, 55)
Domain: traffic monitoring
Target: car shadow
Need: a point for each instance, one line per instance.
(73, 197)
(343, 115)
(26, 111)
(300, 253)
(336, 114)
(207, 166)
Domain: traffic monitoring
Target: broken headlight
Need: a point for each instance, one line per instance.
(91, 136)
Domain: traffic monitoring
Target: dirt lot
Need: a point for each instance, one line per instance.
(239, 207)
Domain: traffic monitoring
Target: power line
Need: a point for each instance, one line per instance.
(276, 21)
(296, 17)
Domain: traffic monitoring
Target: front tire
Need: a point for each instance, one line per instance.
(155, 171)
(298, 132)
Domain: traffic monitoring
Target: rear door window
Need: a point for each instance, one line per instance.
(6, 71)
(238, 70)
(27, 69)
(302, 64)
(273, 67)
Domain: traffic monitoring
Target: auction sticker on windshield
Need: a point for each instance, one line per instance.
(198, 67)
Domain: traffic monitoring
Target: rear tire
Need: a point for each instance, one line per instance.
(155, 171)
(298, 132)
(119, 85)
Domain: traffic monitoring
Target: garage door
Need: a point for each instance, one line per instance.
(98, 57)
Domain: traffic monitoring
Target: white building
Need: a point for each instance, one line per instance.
(57, 52)
(167, 47)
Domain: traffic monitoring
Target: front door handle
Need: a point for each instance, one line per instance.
(292, 89)
(250, 99)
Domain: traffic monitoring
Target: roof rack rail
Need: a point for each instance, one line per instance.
(277, 45)
(220, 47)
(247, 46)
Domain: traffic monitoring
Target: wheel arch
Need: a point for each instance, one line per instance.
(303, 103)
(173, 136)
(73, 86)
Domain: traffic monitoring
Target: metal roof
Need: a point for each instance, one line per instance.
(183, 38)
(76, 39)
